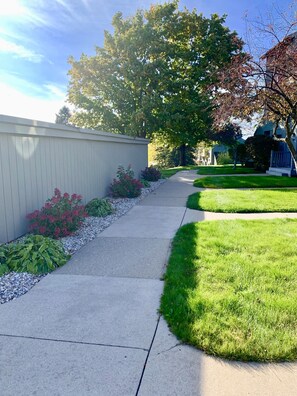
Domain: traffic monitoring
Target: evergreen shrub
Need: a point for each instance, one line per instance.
(151, 173)
(99, 208)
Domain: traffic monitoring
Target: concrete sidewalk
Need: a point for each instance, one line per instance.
(92, 327)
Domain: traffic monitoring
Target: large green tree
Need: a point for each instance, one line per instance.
(151, 78)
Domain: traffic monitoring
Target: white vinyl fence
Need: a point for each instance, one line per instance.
(36, 157)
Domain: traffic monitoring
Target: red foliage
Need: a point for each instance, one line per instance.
(59, 217)
(125, 186)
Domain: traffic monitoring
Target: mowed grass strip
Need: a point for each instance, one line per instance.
(172, 171)
(231, 289)
(246, 182)
(244, 201)
(224, 170)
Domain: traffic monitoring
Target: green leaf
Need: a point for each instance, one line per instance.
(37, 254)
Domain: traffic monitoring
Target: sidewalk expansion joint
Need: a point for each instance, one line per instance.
(75, 342)
(148, 354)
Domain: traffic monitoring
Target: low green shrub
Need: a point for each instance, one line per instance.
(60, 216)
(145, 183)
(3, 259)
(151, 173)
(36, 254)
(125, 186)
(3, 269)
(99, 207)
(224, 159)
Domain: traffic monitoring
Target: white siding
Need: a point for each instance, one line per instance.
(36, 157)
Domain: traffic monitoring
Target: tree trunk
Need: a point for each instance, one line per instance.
(234, 157)
(292, 151)
(182, 158)
(291, 147)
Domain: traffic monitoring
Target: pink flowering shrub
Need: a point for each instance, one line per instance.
(60, 216)
(125, 186)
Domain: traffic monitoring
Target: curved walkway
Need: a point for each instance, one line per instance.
(92, 327)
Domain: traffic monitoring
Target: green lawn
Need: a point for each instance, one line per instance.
(244, 201)
(172, 171)
(245, 182)
(224, 170)
(231, 288)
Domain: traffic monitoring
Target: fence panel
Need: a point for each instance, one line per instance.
(36, 157)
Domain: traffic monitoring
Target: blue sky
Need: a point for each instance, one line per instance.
(37, 36)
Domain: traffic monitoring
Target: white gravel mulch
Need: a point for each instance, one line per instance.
(15, 284)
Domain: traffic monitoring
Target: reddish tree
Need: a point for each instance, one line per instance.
(267, 85)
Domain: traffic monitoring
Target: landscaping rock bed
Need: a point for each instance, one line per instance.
(16, 284)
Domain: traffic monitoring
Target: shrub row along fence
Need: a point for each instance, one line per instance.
(36, 157)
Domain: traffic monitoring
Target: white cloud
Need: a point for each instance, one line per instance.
(18, 104)
(20, 51)
(11, 8)
(65, 4)
(23, 13)
(55, 90)
(28, 13)
(37, 12)
(61, 15)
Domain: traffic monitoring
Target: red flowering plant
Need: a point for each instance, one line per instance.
(59, 217)
(125, 186)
